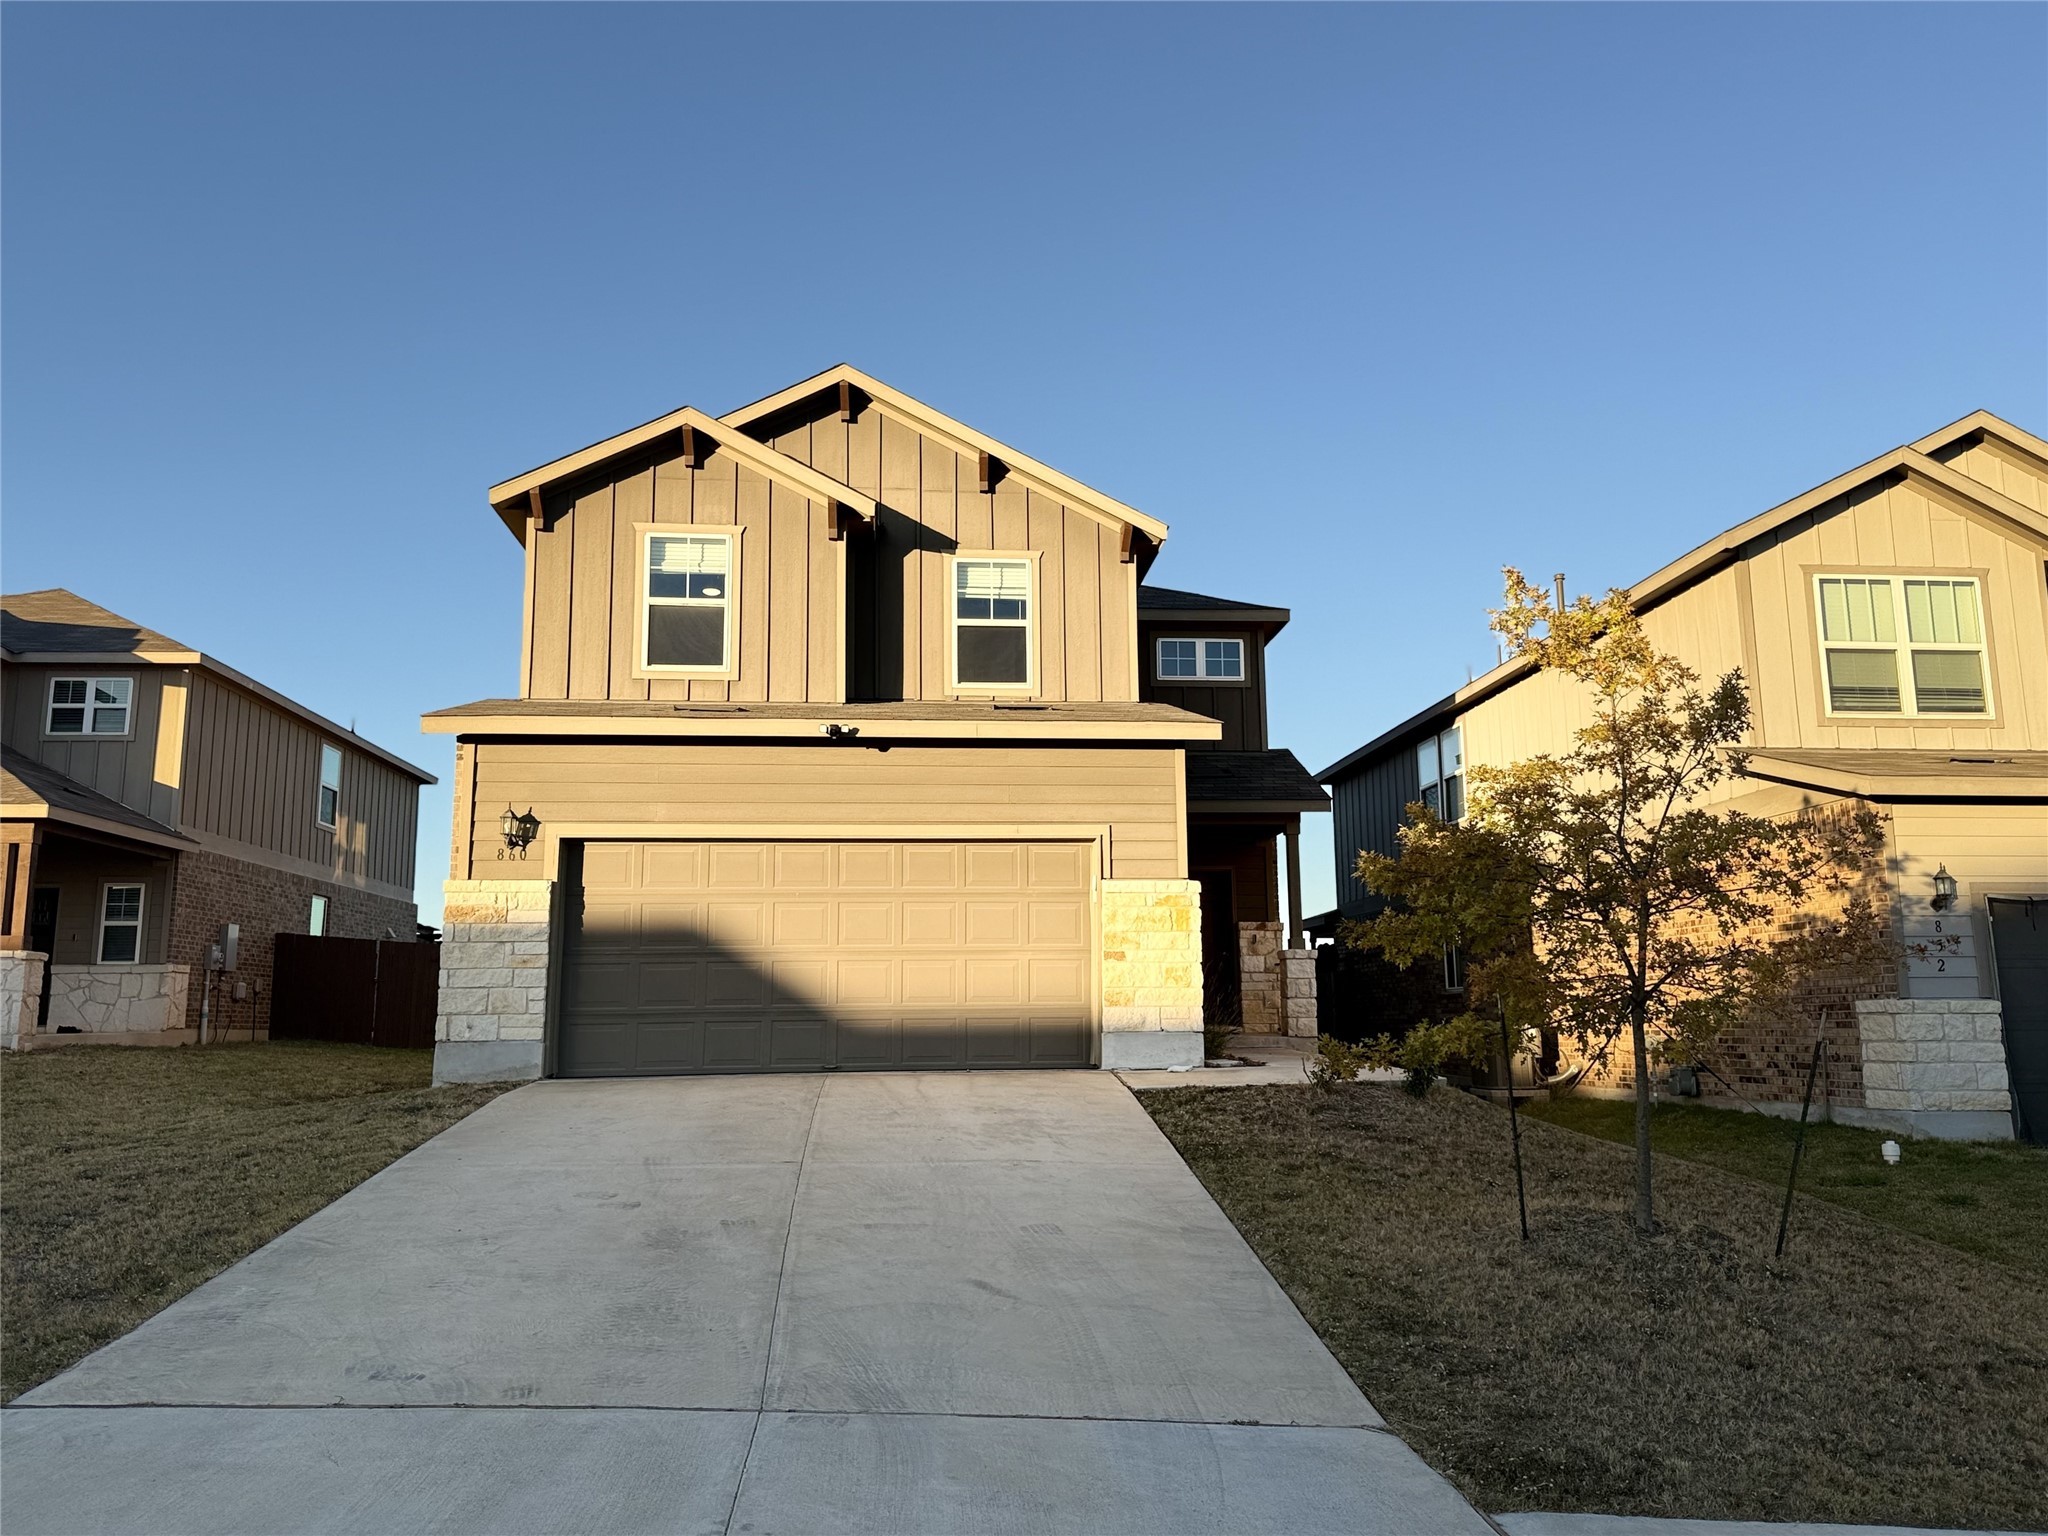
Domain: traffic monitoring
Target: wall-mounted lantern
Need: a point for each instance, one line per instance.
(519, 830)
(1944, 889)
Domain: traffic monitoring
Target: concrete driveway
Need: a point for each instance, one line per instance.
(947, 1303)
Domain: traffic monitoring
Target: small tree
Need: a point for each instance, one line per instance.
(1598, 890)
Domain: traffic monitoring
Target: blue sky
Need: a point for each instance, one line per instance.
(1365, 302)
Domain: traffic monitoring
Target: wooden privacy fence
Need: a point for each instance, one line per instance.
(363, 991)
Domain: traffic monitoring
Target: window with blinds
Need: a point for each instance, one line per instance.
(992, 623)
(689, 602)
(1902, 645)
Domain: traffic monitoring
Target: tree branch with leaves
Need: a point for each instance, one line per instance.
(1609, 891)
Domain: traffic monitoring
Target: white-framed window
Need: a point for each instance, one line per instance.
(991, 623)
(89, 706)
(1199, 660)
(316, 917)
(689, 609)
(328, 814)
(120, 925)
(1440, 767)
(1902, 645)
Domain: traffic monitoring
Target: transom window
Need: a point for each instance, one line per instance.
(1440, 765)
(689, 601)
(992, 623)
(328, 813)
(121, 925)
(1902, 645)
(89, 706)
(1201, 660)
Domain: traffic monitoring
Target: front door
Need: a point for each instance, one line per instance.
(2019, 942)
(42, 937)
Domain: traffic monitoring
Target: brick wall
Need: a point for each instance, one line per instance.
(213, 888)
(1766, 1056)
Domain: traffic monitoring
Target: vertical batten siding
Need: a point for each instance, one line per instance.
(1241, 707)
(1367, 812)
(123, 768)
(589, 590)
(252, 775)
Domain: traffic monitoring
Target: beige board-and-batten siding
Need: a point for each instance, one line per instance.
(252, 776)
(1132, 794)
(863, 616)
(123, 768)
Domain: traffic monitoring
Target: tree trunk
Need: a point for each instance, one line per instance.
(1646, 1211)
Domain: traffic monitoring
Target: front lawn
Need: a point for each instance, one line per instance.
(127, 1177)
(1986, 1198)
(1873, 1376)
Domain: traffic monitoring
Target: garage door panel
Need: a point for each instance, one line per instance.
(670, 1045)
(802, 924)
(1057, 981)
(802, 866)
(931, 922)
(867, 923)
(994, 923)
(994, 867)
(602, 983)
(865, 983)
(998, 983)
(670, 984)
(761, 956)
(1057, 923)
(735, 866)
(931, 983)
(665, 867)
(736, 924)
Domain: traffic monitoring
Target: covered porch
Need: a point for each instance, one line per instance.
(1244, 840)
(85, 917)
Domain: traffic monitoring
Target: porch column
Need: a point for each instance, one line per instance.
(1297, 935)
(23, 842)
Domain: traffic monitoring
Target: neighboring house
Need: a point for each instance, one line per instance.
(1892, 627)
(148, 796)
(841, 742)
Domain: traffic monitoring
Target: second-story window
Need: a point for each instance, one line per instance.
(689, 601)
(328, 813)
(1902, 645)
(89, 706)
(1440, 765)
(992, 623)
(1201, 660)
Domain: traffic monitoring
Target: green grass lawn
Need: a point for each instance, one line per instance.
(1986, 1198)
(1873, 1376)
(127, 1177)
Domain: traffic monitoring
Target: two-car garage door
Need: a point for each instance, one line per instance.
(796, 956)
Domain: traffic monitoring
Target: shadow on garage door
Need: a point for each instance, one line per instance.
(752, 956)
(2019, 945)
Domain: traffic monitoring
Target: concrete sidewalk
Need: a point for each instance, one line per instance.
(1643, 1525)
(946, 1303)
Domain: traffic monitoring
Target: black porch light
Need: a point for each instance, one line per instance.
(519, 830)
(1944, 889)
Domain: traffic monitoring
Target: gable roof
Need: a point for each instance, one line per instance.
(1911, 463)
(958, 436)
(57, 626)
(512, 499)
(1171, 602)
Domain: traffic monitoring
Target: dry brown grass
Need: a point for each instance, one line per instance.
(1872, 1376)
(127, 1177)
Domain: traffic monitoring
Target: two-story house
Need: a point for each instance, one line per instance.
(846, 737)
(150, 795)
(1892, 629)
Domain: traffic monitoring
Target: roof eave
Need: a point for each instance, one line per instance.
(962, 438)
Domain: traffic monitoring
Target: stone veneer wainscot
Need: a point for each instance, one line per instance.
(1151, 973)
(1934, 1067)
(495, 948)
